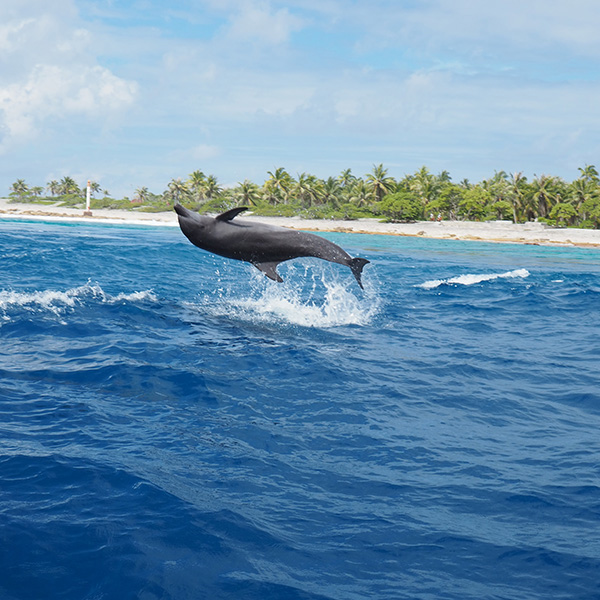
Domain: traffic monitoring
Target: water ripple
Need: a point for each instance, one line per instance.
(173, 425)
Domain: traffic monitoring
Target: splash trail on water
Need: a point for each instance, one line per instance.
(310, 296)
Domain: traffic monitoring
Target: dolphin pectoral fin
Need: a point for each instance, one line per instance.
(270, 270)
(231, 214)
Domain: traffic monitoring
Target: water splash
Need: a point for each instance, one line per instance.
(470, 279)
(318, 297)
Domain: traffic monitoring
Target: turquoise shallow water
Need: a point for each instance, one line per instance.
(175, 425)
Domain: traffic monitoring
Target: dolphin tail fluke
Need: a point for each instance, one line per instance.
(357, 265)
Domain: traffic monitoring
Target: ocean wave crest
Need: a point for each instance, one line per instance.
(57, 301)
(470, 279)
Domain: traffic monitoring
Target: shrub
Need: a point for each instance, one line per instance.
(474, 202)
(563, 213)
(71, 201)
(401, 207)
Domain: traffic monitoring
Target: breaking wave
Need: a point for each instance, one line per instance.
(57, 302)
(473, 279)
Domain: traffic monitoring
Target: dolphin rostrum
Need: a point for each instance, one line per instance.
(262, 245)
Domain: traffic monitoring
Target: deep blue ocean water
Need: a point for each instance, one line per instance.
(174, 425)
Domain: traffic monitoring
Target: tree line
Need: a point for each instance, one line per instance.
(417, 196)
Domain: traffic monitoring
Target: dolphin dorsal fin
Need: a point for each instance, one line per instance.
(231, 214)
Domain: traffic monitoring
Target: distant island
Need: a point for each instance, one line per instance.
(419, 196)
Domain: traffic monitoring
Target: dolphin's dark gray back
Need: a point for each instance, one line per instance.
(263, 245)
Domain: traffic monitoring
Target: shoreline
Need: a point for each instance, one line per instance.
(488, 231)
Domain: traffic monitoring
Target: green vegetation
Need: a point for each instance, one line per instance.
(421, 195)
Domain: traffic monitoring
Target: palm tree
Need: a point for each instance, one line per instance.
(332, 191)
(545, 194)
(584, 189)
(580, 191)
(361, 193)
(380, 183)
(247, 193)
(425, 185)
(517, 190)
(94, 188)
(197, 184)
(306, 189)
(53, 187)
(498, 180)
(177, 191)
(277, 187)
(498, 187)
(212, 187)
(444, 177)
(141, 195)
(68, 186)
(589, 173)
(346, 179)
(20, 189)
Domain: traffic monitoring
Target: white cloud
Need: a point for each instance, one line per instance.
(481, 32)
(238, 86)
(256, 21)
(10, 31)
(49, 72)
(57, 92)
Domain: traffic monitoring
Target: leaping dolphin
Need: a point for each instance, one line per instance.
(264, 246)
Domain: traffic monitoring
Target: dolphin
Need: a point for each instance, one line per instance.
(262, 245)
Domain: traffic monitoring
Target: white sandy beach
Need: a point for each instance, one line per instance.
(493, 231)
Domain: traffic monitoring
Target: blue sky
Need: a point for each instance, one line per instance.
(136, 92)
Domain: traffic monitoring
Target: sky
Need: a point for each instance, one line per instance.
(134, 93)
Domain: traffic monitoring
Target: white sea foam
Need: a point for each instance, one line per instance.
(470, 279)
(328, 302)
(338, 307)
(57, 302)
(133, 297)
